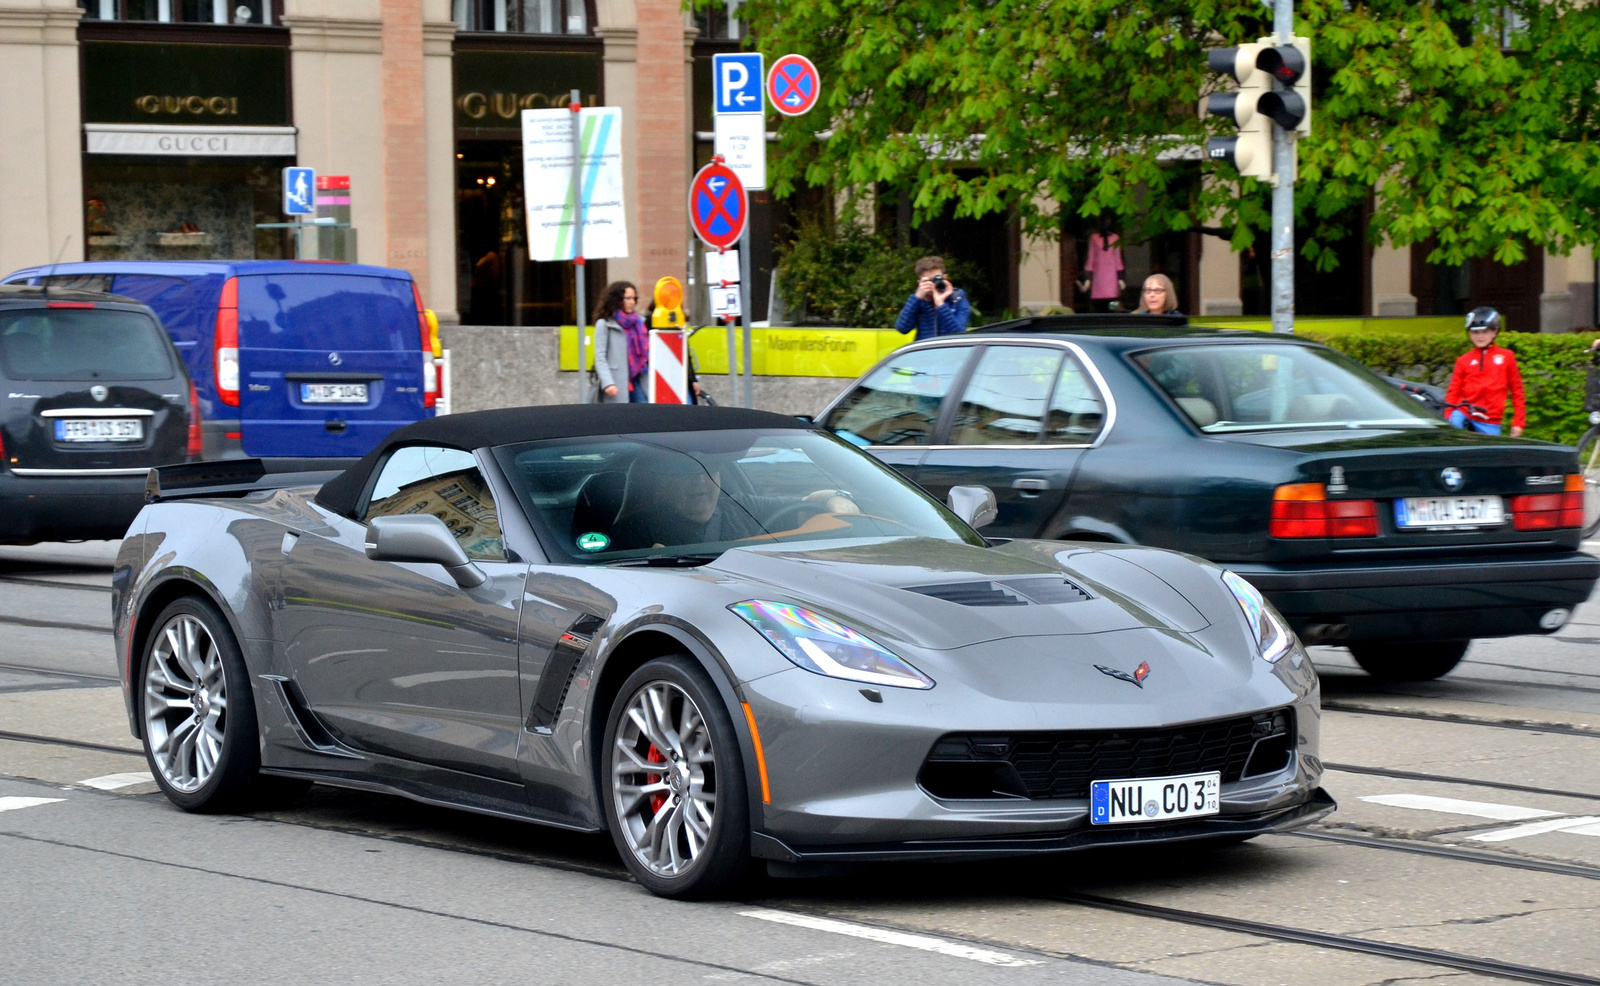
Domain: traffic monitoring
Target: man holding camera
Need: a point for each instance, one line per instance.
(937, 307)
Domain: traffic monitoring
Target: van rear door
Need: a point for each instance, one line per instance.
(330, 362)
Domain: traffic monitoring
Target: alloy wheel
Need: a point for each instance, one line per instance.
(185, 703)
(664, 778)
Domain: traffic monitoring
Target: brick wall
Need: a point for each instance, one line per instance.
(405, 193)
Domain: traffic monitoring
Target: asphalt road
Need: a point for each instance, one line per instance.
(1466, 849)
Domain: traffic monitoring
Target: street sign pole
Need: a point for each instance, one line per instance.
(745, 304)
(575, 103)
(1283, 167)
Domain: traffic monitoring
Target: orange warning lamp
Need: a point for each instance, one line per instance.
(668, 312)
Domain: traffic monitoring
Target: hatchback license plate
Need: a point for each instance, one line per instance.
(99, 430)
(333, 393)
(1154, 799)
(1448, 511)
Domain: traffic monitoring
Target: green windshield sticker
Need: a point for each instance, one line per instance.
(593, 541)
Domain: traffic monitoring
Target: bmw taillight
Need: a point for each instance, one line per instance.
(197, 441)
(430, 369)
(227, 343)
(1549, 511)
(1303, 510)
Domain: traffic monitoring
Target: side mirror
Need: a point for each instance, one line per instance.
(974, 504)
(422, 538)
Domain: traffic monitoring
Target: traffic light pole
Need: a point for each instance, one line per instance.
(1283, 166)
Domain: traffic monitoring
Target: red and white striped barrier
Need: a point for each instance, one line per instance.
(669, 367)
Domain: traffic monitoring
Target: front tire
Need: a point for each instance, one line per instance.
(200, 734)
(674, 794)
(1417, 660)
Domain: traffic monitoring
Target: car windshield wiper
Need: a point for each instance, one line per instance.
(670, 561)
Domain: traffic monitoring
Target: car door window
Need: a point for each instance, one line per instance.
(898, 403)
(446, 483)
(1077, 411)
(1005, 399)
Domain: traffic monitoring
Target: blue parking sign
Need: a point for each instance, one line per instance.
(299, 191)
(737, 81)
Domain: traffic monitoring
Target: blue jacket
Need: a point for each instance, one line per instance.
(930, 320)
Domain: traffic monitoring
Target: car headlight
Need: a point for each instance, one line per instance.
(1272, 634)
(826, 647)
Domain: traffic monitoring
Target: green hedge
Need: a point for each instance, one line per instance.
(1553, 369)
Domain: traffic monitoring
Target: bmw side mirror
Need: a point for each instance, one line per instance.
(974, 504)
(422, 539)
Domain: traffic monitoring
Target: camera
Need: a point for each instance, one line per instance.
(939, 282)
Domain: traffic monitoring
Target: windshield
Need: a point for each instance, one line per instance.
(1271, 387)
(82, 344)
(700, 493)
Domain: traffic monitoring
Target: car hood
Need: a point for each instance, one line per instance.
(942, 595)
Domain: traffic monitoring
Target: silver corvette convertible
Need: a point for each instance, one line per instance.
(721, 635)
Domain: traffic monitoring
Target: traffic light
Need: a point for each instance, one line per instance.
(1251, 151)
(1255, 101)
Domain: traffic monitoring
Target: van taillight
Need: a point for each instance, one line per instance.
(1303, 510)
(227, 343)
(1549, 511)
(197, 441)
(430, 370)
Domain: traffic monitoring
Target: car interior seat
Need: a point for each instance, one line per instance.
(1321, 407)
(1201, 411)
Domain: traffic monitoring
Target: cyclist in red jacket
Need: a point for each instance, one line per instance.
(1484, 375)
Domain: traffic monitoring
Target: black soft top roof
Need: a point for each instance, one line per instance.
(514, 425)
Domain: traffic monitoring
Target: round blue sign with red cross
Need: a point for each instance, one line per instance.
(717, 205)
(793, 85)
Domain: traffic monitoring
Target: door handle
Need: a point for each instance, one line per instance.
(1036, 485)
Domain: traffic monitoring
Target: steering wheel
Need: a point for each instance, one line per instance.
(783, 521)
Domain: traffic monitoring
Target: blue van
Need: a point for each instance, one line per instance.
(290, 359)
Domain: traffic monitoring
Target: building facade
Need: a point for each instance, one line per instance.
(159, 129)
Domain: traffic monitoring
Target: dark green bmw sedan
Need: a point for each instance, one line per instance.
(1363, 517)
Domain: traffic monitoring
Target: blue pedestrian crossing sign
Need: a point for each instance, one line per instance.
(299, 191)
(737, 83)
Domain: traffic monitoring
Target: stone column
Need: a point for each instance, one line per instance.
(41, 155)
(1219, 278)
(336, 61)
(1391, 281)
(405, 140)
(438, 96)
(647, 73)
(1567, 301)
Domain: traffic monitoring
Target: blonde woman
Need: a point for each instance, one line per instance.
(1158, 297)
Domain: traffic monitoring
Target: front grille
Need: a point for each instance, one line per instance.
(1062, 764)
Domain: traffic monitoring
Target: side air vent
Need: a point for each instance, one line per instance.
(1012, 592)
(559, 670)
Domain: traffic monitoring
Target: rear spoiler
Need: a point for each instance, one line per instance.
(232, 478)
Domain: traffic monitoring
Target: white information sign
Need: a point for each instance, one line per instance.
(725, 302)
(547, 183)
(722, 267)
(741, 139)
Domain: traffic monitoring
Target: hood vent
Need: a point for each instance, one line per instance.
(1012, 592)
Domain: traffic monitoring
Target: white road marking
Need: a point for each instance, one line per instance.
(923, 942)
(1478, 809)
(114, 782)
(12, 804)
(1586, 822)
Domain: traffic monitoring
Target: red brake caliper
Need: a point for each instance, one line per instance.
(658, 799)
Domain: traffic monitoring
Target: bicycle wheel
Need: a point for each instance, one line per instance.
(1589, 465)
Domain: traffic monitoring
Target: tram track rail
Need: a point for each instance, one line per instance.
(53, 673)
(1523, 725)
(53, 583)
(1326, 939)
(28, 621)
(1417, 775)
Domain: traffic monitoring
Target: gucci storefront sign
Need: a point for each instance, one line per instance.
(114, 138)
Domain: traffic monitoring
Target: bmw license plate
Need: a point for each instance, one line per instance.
(1154, 799)
(99, 429)
(1448, 511)
(333, 393)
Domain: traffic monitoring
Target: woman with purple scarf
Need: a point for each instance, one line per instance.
(621, 346)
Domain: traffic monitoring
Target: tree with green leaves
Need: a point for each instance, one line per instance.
(1468, 123)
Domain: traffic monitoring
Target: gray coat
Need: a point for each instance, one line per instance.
(611, 359)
